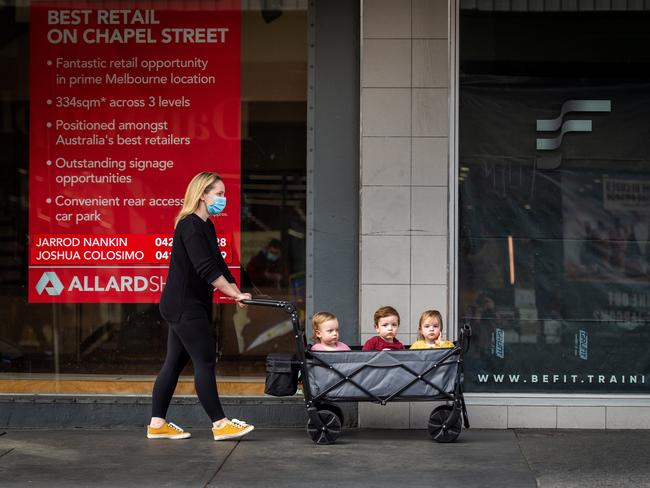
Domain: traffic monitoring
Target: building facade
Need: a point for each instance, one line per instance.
(483, 158)
(494, 171)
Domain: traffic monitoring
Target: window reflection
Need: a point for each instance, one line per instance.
(129, 339)
(554, 246)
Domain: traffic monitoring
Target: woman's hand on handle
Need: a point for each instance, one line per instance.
(231, 290)
(242, 296)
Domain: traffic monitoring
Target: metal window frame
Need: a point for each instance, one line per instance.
(453, 165)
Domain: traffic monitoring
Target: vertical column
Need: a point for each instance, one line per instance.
(429, 158)
(429, 171)
(386, 114)
(385, 161)
(332, 163)
(404, 173)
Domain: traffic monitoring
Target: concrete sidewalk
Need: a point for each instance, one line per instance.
(272, 458)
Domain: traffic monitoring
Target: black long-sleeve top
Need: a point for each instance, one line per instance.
(195, 263)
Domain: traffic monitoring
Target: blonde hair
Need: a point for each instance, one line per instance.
(200, 184)
(383, 312)
(319, 319)
(429, 314)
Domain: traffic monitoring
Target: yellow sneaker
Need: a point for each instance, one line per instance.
(168, 430)
(231, 430)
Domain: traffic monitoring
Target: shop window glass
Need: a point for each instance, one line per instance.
(554, 222)
(127, 338)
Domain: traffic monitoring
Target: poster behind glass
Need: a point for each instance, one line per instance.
(554, 226)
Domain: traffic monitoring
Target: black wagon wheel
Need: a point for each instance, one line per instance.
(439, 429)
(329, 432)
(332, 408)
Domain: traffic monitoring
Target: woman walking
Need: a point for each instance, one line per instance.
(196, 269)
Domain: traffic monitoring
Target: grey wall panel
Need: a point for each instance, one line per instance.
(333, 163)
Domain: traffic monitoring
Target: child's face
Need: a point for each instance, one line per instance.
(430, 329)
(387, 327)
(328, 332)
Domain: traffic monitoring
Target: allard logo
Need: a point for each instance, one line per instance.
(49, 283)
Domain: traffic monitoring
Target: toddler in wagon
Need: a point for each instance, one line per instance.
(430, 332)
(326, 333)
(386, 324)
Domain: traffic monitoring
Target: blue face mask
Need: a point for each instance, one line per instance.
(272, 256)
(217, 205)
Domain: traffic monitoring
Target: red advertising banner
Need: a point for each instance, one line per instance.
(129, 100)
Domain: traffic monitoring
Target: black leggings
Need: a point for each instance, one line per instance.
(190, 338)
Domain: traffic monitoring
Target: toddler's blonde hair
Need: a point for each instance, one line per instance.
(429, 314)
(317, 320)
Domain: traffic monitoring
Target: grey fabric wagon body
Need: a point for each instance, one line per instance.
(426, 374)
(376, 376)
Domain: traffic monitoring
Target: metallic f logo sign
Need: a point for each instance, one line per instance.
(552, 125)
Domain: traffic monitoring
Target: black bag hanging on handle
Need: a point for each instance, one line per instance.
(281, 374)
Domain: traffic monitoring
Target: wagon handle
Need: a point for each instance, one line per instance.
(288, 307)
(465, 336)
(298, 334)
(267, 302)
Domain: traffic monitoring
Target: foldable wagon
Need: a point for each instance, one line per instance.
(361, 376)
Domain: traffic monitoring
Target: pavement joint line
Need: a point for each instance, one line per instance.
(523, 454)
(5, 453)
(221, 465)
